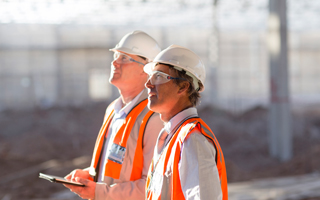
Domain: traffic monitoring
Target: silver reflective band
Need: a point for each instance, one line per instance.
(122, 58)
(157, 77)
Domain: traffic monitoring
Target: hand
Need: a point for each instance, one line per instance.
(78, 173)
(86, 192)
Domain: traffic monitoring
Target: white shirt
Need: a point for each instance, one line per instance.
(196, 153)
(120, 115)
(123, 188)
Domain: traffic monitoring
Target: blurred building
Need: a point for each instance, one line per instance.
(56, 52)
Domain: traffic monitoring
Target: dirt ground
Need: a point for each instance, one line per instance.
(60, 139)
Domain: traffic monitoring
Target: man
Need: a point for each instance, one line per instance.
(124, 147)
(188, 162)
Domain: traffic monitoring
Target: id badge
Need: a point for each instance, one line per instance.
(117, 153)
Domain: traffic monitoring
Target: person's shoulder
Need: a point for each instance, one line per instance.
(196, 139)
(190, 129)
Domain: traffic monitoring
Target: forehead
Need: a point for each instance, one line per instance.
(162, 68)
(131, 55)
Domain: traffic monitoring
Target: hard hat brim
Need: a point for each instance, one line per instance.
(127, 50)
(149, 67)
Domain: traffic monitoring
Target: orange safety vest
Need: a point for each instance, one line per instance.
(174, 148)
(114, 162)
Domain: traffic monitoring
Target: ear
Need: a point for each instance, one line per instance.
(183, 87)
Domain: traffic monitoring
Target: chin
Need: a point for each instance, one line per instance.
(152, 105)
(114, 81)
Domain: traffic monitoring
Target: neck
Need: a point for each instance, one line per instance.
(129, 95)
(166, 116)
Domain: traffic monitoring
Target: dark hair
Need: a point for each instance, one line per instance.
(194, 94)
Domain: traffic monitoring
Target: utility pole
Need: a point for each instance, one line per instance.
(280, 130)
(213, 55)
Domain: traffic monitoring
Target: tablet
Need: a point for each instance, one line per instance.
(58, 179)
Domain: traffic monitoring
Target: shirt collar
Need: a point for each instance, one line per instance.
(119, 111)
(178, 118)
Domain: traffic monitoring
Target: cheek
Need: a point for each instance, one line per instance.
(134, 71)
(166, 93)
(127, 73)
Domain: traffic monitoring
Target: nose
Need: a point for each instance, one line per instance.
(115, 64)
(148, 84)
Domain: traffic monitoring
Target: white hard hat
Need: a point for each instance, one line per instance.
(138, 43)
(182, 59)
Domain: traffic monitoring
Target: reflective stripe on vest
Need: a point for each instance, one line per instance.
(113, 167)
(174, 146)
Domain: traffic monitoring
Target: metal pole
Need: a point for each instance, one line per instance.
(213, 55)
(280, 132)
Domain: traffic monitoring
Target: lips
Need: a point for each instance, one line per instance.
(152, 94)
(115, 71)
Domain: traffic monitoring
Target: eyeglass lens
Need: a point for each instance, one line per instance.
(121, 58)
(157, 78)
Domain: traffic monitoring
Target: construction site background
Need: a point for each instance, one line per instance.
(54, 85)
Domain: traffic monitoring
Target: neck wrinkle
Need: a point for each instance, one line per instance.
(128, 96)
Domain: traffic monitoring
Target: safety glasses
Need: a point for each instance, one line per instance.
(157, 78)
(122, 58)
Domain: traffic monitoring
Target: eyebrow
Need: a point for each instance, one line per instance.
(145, 59)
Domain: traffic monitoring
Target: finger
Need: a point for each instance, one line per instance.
(74, 175)
(82, 180)
(68, 186)
(68, 176)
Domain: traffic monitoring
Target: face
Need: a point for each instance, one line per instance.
(125, 74)
(162, 97)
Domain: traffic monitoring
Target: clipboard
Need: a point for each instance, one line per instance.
(58, 179)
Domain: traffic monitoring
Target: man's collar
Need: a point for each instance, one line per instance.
(178, 118)
(119, 110)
